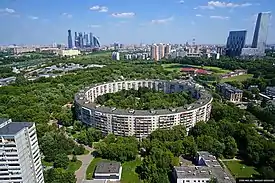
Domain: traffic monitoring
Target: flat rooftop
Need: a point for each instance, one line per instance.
(107, 167)
(14, 127)
(211, 169)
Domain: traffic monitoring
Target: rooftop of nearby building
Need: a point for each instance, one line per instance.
(14, 127)
(230, 88)
(2, 120)
(212, 168)
(107, 167)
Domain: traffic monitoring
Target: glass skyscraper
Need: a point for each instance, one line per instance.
(261, 31)
(235, 43)
(70, 39)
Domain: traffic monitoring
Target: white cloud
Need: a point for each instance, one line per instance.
(7, 10)
(181, 1)
(67, 15)
(33, 17)
(99, 8)
(220, 17)
(162, 21)
(219, 4)
(94, 26)
(198, 15)
(124, 15)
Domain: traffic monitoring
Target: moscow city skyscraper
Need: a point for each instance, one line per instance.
(70, 39)
(235, 43)
(261, 31)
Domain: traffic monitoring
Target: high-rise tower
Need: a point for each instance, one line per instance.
(261, 31)
(155, 52)
(20, 155)
(235, 43)
(70, 39)
(91, 40)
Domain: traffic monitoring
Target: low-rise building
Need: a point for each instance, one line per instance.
(206, 168)
(108, 171)
(68, 53)
(229, 92)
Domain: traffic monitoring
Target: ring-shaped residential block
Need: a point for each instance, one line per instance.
(140, 123)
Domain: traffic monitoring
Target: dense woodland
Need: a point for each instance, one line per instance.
(144, 99)
(230, 132)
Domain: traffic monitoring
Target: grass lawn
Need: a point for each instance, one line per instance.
(74, 166)
(216, 70)
(128, 172)
(45, 163)
(176, 67)
(172, 67)
(91, 168)
(238, 169)
(237, 78)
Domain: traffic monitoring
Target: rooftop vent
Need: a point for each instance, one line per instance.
(114, 108)
(86, 102)
(81, 98)
(97, 106)
(131, 111)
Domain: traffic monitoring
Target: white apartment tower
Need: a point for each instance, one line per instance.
(161, 50)
(19, 153)
(155, 52)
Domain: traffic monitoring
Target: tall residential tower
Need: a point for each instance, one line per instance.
(261, 31)
(20, 156)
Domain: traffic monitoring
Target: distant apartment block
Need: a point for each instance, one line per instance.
(115, 56)
(206, 167)
(238, 72)
(68, 53)
(230, 93)
(19, 153)
(235, 43)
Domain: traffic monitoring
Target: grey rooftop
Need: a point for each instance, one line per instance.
(14, 127)
(107, 167)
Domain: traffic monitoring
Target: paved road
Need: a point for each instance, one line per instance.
(86, 160)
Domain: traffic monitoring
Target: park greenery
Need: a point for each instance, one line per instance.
(144, 99)
(231, 131)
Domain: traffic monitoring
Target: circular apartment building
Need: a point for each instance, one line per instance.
(141, 123)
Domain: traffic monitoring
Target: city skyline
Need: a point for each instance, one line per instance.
(176, 21)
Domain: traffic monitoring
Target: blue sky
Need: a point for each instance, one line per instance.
(130, 21)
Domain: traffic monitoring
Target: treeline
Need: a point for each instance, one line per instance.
(144, 99)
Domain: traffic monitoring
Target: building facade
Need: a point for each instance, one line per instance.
(261, 31)
(20, 156)
(141, 123)
(235, 43)
(230, 93)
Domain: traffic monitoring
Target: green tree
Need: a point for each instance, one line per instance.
(59, 175)
(230, 147)
(61, 161)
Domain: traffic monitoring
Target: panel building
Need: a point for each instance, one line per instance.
(235, 43)
(19, 153)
